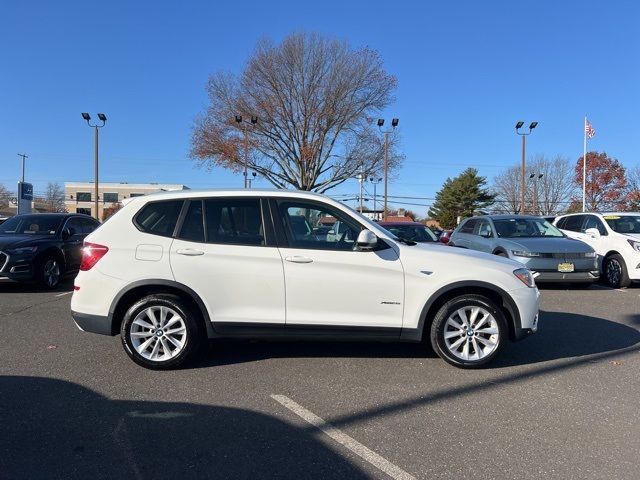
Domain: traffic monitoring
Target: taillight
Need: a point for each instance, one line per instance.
(91, 254)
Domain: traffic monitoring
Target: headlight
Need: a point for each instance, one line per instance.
(22, 250)
(522, 253)
(525, 277)
(590, 255)
(635, 245)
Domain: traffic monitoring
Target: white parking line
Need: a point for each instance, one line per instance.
(345, 440)
(63, 294)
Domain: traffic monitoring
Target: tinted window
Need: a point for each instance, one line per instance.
(573, 223)
(594, 222)
(74, 225)
(484, 229)
(415, 233)
(525, 227)
(302, 220)
(468, 226)
(110, 197)
(83, 197)
(193, 225)
(88, 225)
(560, 223)
(624, 223)
(234, 221)
(159, 218)
(31, 225)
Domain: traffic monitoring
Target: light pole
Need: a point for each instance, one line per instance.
(522, 184)
(535, 177)
(103, 118)
(394, 124)
(253, 121)
(375, 182)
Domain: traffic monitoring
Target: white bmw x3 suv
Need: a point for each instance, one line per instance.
(170, 270)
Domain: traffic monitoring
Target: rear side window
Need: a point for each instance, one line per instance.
(234, 221)
(159, 218)
(193, 225)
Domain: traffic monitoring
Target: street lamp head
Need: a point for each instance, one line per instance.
(540, 175)
(86, 116)
(380, 122)
(533, 125)
(102, 117)
(238, 118)
(519, 125)
(532, 175)
(394, 122)
(254, 119)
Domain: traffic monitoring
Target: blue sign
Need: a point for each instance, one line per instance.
(25, 191)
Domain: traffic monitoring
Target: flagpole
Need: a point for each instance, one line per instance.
(584, 166)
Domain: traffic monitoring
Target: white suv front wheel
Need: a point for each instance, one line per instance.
(468, 331)
(160, 332)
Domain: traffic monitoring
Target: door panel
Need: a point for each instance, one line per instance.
(328, 281)
(222, 253)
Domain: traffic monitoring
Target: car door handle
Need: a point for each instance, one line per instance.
(189, 252)
(298, 259)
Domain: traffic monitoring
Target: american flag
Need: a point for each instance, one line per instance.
(589, 130)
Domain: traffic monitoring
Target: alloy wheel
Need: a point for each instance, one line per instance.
(614, 271)
(51, 272)
(158, 333)
(471, 333)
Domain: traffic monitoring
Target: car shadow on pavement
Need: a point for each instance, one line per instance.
(57, 429)
(8, 286)
(560, 335)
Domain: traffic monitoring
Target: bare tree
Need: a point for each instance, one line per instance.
(633, 190)
(547, 195)
(54, 198)
(315, 99)
(4, 196)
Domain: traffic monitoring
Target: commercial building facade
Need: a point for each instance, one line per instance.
(80, 196)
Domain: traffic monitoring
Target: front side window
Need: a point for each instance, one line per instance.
(484, 229)
(83, 196)
(468, 226)
(159, 218)
(624, 223)
(234, 221)
(594, 222)
(303, 223)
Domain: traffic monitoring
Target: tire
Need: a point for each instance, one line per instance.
(162, 351)
(615, 271)
(462, 349)
(49, 272)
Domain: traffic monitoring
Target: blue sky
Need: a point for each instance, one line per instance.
(467, 70)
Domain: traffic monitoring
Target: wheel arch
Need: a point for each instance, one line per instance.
(499, 250)
(136, 290)
(499, 296)
(54, 251)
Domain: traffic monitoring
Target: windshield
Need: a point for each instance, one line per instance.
(525, 227)
(624, 223)
(415, 233)
(31, 225)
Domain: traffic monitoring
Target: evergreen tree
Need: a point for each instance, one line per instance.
(462, 196)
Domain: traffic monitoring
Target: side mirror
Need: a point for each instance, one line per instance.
(593, 232)
(66, 234)
(367, 240)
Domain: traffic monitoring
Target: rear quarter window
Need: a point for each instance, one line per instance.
(159, 218)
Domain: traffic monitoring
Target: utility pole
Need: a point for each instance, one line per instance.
(24, 157)
(523, 185)
(394, 124)
(361, 180)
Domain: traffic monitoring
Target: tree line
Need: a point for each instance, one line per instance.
(552, 186)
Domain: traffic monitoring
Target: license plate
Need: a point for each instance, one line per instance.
(565, 267)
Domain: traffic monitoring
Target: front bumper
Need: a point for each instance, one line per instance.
(527, 301)
(559, 277)
(16, 267)
(92, 323)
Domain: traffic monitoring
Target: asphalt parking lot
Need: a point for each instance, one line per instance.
(562, 404)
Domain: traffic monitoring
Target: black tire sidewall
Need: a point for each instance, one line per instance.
(40, 271)
(624, 275)
(193, 337)
(438, 324)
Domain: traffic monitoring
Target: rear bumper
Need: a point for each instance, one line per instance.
(92, 323)
(559, 277)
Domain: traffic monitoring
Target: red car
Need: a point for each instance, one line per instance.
(445, 236)
(412, 231)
